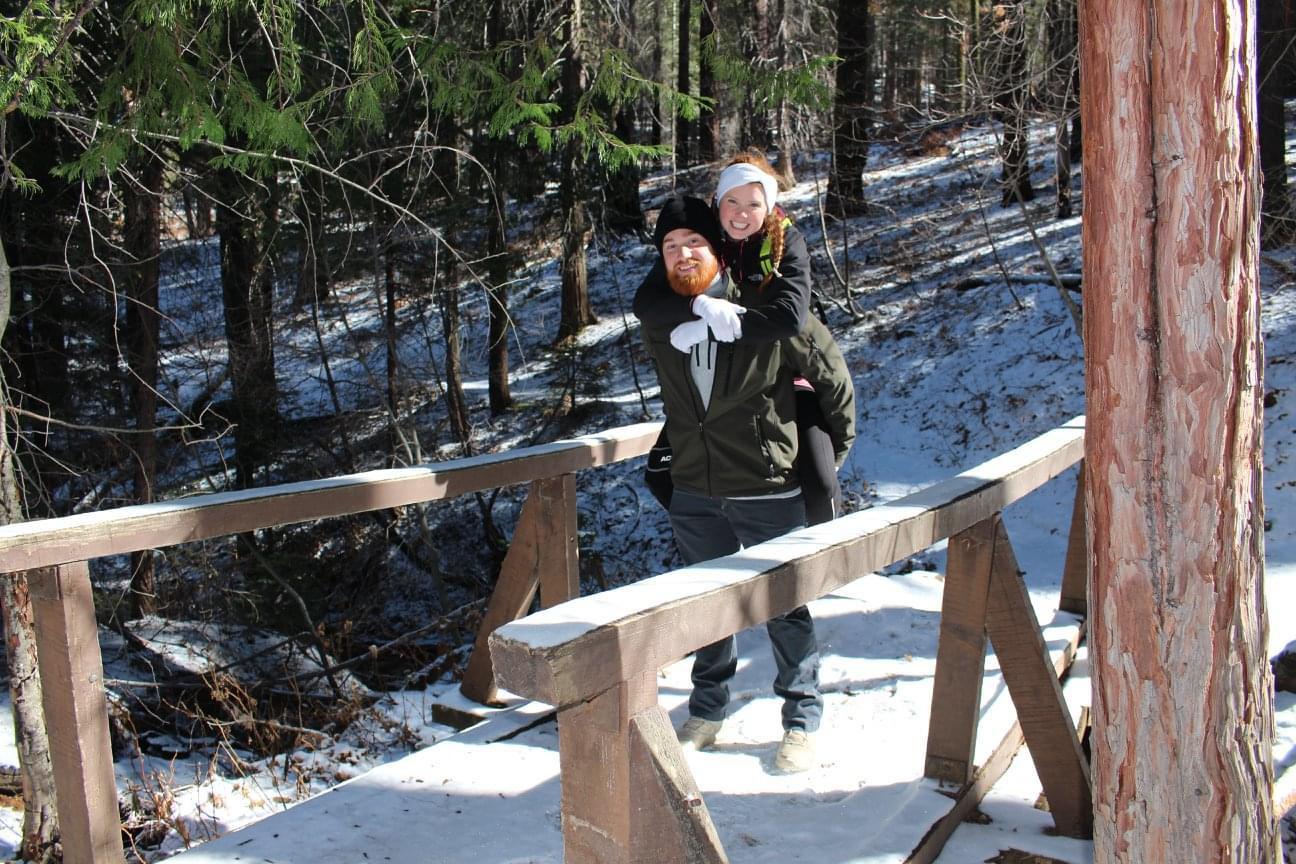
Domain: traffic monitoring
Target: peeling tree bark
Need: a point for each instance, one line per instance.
(40, 807)
(1183, 718)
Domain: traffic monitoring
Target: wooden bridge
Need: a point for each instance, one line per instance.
(627, 794)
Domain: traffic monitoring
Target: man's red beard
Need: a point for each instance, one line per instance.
(694, 283)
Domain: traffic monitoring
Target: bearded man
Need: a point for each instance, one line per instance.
(731, 421)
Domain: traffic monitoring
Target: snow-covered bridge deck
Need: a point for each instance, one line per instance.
(491, 794)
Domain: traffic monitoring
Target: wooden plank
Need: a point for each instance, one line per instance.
(1075, 572)
(577, 650)
(1037, 695)
(960, 656)
(985, 776)
(532, 552)
(559, 560)
(76, 714)
(47, 542)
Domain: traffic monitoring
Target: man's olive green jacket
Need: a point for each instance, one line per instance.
(745, 442)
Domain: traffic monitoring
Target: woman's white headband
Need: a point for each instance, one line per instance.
(742, 173)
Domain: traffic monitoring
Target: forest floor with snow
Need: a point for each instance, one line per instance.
(960, 349)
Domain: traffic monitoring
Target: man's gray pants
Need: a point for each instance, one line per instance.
(707, 528)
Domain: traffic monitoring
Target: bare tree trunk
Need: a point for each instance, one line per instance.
(1009, 80)
(246, 288)
(709, 125)
(497, 267)
(35, 341)
(501, 399)
(445, 162)
(1276, 216)
(655, 133)
(684, 126)
(1063, 85)
(1182, 698)
(143, 326)
(314, 274)
(851, 108)
(783, 117)
(576, 309)
(621, 210)
(891, 71)
(389, 331)
(947, 80)
(971, 32)
(40, 808)
(758, 126)
(456, 405)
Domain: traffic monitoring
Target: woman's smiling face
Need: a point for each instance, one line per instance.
(743, 210)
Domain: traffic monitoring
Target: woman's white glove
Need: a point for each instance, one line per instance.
(688, 334)
(724, 318)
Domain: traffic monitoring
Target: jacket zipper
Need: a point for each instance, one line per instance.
(699, 411)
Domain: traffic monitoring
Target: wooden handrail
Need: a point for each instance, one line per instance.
(580, 649)
(627, 792)
(49, 542)
(53, 553)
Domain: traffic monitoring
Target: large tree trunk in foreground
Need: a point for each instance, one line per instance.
(1182, 700)
(40, 810)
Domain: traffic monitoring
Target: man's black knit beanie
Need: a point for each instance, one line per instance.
(686, 211)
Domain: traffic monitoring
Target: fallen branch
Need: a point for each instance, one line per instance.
(1070, 281)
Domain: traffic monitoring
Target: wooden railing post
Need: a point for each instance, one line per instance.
(960, 657)
(76, 713)
(1075, 572)
(559, 555)
(543, 555)
(628, 796)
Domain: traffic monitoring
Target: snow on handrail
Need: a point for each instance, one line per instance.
(61, 540)
(576, 650)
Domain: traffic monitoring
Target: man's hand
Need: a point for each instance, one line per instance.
(688, 334)
(724, 318)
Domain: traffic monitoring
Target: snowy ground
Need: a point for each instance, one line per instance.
(945, 379)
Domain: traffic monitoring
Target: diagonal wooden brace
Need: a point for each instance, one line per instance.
(543, 555)
(1036, 694)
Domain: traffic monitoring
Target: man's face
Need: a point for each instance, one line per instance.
(691, 264)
